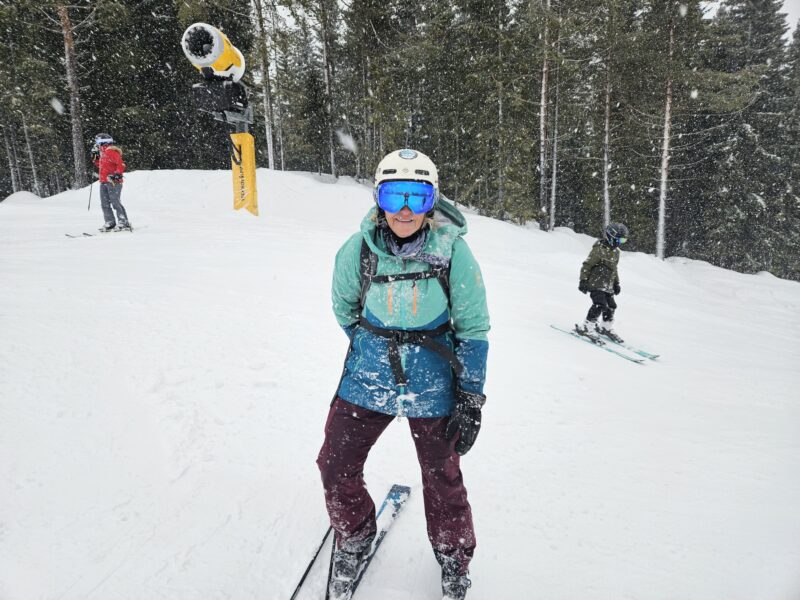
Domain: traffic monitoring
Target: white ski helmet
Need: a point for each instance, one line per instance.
(407, 164)
(103, 138)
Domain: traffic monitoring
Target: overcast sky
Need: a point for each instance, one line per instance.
(792, 9)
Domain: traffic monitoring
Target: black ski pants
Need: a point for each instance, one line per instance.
(602, 302)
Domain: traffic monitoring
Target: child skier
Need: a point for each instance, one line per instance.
(108, 160)
(409, 294)
(600, 278)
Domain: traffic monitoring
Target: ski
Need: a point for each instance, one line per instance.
(116, 229)
(599, 344)
(385, 516)
(633, 349)
(394, 501)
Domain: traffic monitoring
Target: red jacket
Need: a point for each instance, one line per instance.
(109, 163)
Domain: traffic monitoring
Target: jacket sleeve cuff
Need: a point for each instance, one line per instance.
(472, 355)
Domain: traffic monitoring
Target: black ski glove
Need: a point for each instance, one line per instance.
(115, 178)
(465, 420)
(582, 287)
(617, 289)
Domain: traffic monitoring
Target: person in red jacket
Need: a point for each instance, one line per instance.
(108, 160)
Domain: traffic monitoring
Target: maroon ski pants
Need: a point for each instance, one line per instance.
(350, 433)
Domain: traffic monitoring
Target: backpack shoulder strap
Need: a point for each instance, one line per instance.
(443, 276)
(367, 267)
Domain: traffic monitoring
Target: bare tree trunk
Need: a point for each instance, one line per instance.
(367, 145)
(56, 153)
(554, 171)
(607, 150)
(280, 108)
(36, 187)
(264, 52)
(325, 18)
(12, 135)
(543, 119)
(11, 166)
(75, 96)
(662, 198)
(500, 149)
(458, 168)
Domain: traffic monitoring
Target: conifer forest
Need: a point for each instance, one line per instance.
(678, 118)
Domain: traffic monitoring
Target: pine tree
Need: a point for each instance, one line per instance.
(745, 225)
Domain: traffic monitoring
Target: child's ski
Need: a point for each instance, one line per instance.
(633, 349)
(599, 344)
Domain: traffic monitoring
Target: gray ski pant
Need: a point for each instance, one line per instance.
(109, 198)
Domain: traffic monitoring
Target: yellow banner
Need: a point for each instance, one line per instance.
(243, 165)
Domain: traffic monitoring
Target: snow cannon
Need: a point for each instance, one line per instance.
(223, 96)
(212, 53)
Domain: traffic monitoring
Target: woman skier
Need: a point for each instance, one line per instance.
(409, 294)
(108, 160)
(600, 278)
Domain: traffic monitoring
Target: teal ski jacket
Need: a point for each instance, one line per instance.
(368, 380)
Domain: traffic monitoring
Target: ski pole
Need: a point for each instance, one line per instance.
(90, 195)
(313, 560)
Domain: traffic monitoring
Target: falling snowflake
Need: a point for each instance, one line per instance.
(694, 94)
(57, 106)
(347, 141)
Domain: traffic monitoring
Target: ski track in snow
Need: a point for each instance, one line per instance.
(163, 394)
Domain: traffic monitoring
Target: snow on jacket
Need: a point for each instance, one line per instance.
(599, 270)
(368, 380)
(109, 163)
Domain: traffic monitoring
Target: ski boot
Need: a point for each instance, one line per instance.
(589, 330)
(454, 583)
(107, 226)
(607, 330)
(124, 226)
(347, 561)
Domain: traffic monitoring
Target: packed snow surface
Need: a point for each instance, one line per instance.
(163, 394)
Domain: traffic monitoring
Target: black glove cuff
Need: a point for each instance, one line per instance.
(469, 400)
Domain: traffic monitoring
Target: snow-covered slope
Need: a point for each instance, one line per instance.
(163, 393)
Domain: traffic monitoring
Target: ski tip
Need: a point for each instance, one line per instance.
(400, 490)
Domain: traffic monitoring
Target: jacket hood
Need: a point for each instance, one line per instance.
(447, 225)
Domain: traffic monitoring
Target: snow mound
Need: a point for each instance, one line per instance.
(20, 197)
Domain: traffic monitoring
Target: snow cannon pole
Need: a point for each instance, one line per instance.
(225, 97)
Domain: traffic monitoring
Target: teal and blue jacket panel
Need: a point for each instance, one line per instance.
(368, 380)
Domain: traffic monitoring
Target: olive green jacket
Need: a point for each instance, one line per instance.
(599, 271)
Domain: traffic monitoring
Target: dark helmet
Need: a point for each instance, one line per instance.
(102, 139)
(616, 234)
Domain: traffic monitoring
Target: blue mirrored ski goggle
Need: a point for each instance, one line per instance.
(419, 196)
(622, 240)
